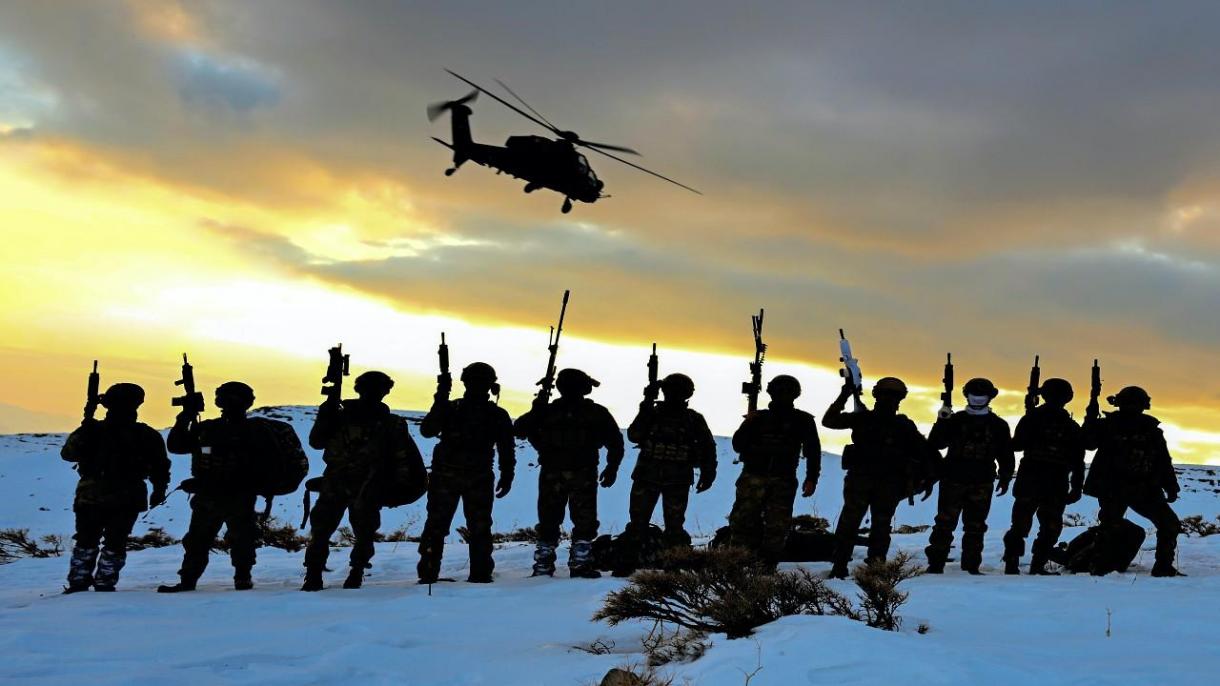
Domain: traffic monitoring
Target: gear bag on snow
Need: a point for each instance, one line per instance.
(1083, 554)
(611, 552)
(804, 543)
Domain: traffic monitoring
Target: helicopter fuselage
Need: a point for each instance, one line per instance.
(541, 162)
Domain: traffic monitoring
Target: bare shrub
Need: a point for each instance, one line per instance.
(277, 534)
(156, 537)
(16, 543)
(1195, 525)
(523, 535)
(1074, 519)
(879, 596)
(909, 529)
(635, 675)
(681, 645)
(807, 522)
(724, 590)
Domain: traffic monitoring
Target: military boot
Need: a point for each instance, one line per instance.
(242, 579)
(839, 570)
(1165, 569)
(182, 586)
(355, 578)
(580, 563)
(1012, 566)
(313, 579)
(80, 569)
(972, 569)
(109, 564)
(1037, 567)
(544, 560)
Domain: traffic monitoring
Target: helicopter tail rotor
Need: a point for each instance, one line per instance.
(436, 109)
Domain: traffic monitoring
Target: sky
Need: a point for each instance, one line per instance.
(254, 182)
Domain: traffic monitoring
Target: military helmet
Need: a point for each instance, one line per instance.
(122, 396)
(479, 373)
(375, 382)
(1131, 396)
(677, 387)
(784, 387)
(1057, 391)
(234, 394)
(891, 386)
(980, 386)
(575, 382)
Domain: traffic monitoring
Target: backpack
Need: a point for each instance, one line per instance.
(611, 552)
(804, 544)
(285, 464)
(1083, 554)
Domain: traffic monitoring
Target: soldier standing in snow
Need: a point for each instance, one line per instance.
(770, 443)
(568, 433)
(673, 440)
(471, 429)
(1050, 478)
(978, 442)
(369, 455)
(114, 457)
(1133, 469)
(226, 455)
(887, 460)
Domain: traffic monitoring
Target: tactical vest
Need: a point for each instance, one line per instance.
(671, 439)
(775, 446)
(1057, 441)
(1138, 450)
(227, 454)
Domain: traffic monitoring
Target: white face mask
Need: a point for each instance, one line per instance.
(978, 404)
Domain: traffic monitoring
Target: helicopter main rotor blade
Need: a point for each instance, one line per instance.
(607, 146)
(646, 171)
(527, 105)
(504, 102)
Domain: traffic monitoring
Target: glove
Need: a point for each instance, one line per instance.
(1002, 487)
(505, 484)
(608, 477)
(1171, 496)
(807, 488)
(1074, 496)
(157, 497)
(706, 478)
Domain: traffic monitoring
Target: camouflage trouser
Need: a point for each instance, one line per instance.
(1049, 511)
(876, 496)
(100, 531)
(324, 518)
(762, 513)
(209, 512)
(476, 493)
(571, 490)
(673, 497)
(970, 502)
(1152, 507)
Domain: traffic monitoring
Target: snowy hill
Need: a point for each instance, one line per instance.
(992, 629)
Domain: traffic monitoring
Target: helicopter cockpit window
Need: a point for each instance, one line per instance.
(582, 165)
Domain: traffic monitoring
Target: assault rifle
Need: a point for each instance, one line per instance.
(1031, 392)
(338, 367)
(946, 398)
(753, 387)
(191, 400)
(654, 385)
(851, 372)
(547, 383)
(1093, 411)
(444, 380)
(92, 396)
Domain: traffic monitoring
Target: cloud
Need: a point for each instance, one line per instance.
(237, 85)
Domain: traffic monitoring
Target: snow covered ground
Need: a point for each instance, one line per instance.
(992, 629)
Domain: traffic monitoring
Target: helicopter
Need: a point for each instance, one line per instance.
(554, 164)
